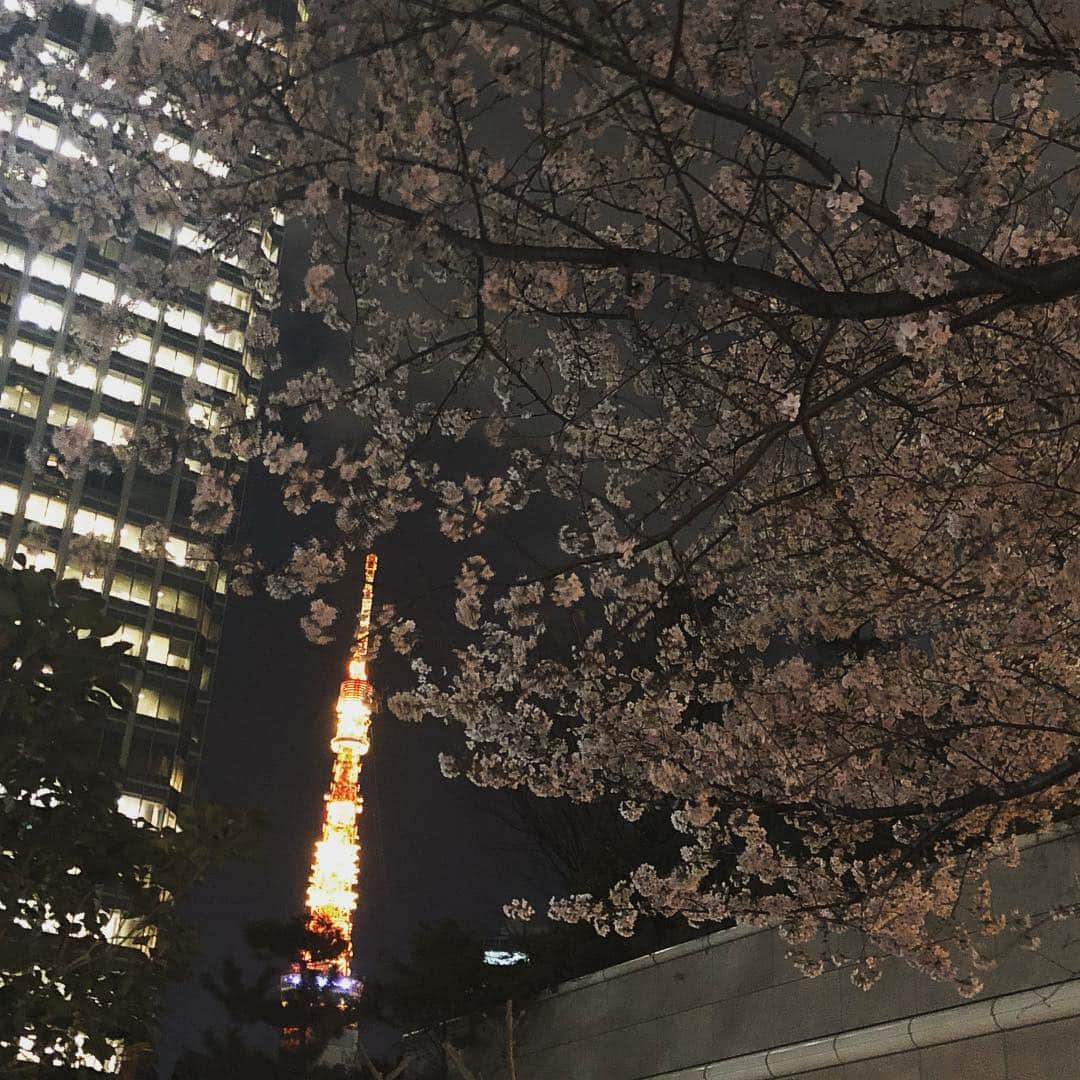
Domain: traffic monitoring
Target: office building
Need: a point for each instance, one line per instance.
(170, 604)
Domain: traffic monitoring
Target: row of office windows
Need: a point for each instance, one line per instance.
(111, 430)
(45, 134)
(127, 388)
(57, 270)
(135, 588)
(49, 315)
(51, 511)
(138, 589)
(153, 703)
(160, 648)
(115, 384)
(25, 402)
(180, 362)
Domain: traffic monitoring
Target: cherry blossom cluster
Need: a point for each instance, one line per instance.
(757, 322)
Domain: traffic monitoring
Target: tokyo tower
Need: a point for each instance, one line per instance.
(335, 866)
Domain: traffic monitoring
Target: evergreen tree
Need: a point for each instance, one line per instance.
(88, 928)
(260, 1008)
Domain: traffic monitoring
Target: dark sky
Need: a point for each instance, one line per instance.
(431, 849)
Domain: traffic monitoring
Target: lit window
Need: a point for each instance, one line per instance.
(227, 339)
(45, 510)
(189, 238)
(12, 255)
(40, 560)
(138, 348)
(157, 648)
(176, 550)
(269, 248)
(81, 375)
(19, 399)
(131, 587)
(176, 781)
(9, 498)
(122, 387)
(142, 308)
(96, 287)
(127, 633)
(217, 375)
(38, 131)
(32, 356)
(62, 415)
(138, 808)
(179, 654)
(130, 534)
(84, 375)
(130, 933)
(186, 320)
(120, 10)
(111, 431)
(226, 293)
(50, 268)
(175, 360)
(41, 312)
(93, 523)
(161, 649)
(179, 601)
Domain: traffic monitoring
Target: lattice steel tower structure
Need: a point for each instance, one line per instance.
(335, 866)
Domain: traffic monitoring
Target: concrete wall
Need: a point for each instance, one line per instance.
(687, 1013)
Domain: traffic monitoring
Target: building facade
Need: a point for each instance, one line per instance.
(170, 604)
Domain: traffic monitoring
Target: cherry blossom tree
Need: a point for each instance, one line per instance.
(770, 306)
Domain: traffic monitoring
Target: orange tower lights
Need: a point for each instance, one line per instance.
(335, 866)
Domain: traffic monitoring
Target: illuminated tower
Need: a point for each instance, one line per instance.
(335, 868)
(335, 865)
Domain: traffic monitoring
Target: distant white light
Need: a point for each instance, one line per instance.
(504, 957)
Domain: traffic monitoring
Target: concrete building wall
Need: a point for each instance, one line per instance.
(732, 1007)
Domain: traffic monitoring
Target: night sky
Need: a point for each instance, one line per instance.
(431, 848)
